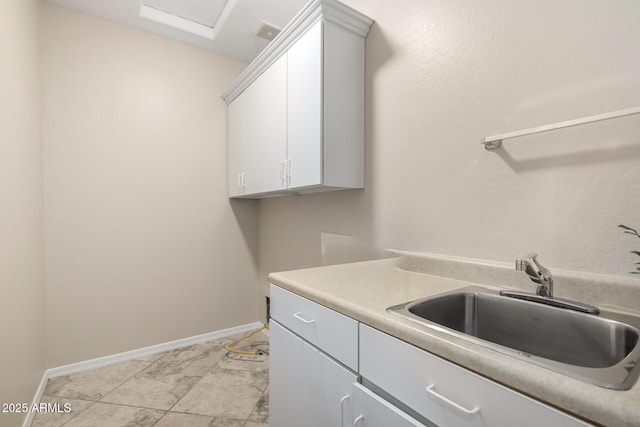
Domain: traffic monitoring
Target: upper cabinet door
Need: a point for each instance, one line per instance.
(304, 112)
(252, 148)
(235, 125)
(273, 125)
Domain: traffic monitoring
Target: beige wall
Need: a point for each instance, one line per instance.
(442, 74)
(142, 244)
(21, 231)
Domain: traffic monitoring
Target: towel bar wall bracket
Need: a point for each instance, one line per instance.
(495, 142)
(492, 145)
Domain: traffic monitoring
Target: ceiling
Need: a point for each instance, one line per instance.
(228, 27)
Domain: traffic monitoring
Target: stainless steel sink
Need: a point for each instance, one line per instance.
(600, 349)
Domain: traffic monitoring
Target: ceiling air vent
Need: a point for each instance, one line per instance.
(267, 31)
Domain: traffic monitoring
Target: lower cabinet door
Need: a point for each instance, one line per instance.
(306, 387)
(371, 410)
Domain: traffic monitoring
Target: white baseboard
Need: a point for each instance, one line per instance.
(99, 362)
(147, 351)
(36, 399)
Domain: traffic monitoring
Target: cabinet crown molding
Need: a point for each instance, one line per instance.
(326, 10)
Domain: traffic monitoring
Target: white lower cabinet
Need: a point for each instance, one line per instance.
(370, 410)
(307, 387)
(321, 361)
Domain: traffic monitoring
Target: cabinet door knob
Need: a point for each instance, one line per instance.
(451, 403)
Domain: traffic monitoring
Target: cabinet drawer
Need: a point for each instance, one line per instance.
(332, 332)
(447, 394)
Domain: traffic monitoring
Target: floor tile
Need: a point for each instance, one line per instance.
(260, 413)
(159, 386)
(56, 418)
(94, 384)
(227, 422)
(201, 385)
(205, 354)
(224, 393)
(175, 419)
(110, 415)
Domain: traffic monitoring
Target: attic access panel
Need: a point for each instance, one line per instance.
(203, 12)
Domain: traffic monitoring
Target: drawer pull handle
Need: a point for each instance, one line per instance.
(357, 420)
(302, 319)
(451, 403)
(345, 398)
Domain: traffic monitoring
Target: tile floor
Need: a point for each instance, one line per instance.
(197, 386)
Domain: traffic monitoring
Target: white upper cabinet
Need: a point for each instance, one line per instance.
(302, 108)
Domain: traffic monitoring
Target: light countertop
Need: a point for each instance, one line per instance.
(364, 290)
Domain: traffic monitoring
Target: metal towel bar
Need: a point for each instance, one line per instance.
(494, 142)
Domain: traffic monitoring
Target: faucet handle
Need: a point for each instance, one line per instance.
(530, 265)
(537, 273)
(533, 268)
(541, 271)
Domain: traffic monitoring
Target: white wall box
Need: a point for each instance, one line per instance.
(296, 114)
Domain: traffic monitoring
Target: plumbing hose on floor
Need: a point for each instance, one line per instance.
(229, 347)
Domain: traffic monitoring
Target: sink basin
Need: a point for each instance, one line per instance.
(600, 349)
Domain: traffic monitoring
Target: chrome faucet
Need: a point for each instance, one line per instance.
(544, 292)
(538, 274)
